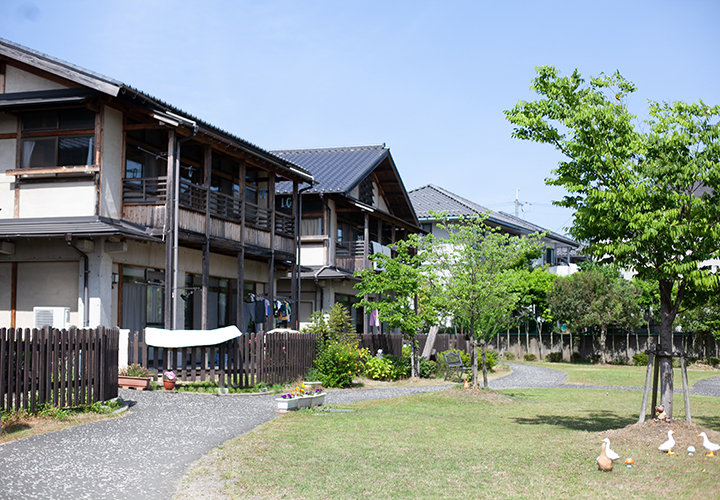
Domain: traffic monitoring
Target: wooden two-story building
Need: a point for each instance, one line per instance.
(357, 207)
(117, 208)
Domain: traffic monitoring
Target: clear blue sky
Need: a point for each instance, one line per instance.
(428, 78)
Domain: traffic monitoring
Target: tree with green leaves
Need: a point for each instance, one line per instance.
(532, 286)
(646, 197)
(475, 279)
(394, 290)
(597, 298)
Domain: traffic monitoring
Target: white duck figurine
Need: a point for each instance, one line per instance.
(709, 446)
(667, 446)
(610, 453)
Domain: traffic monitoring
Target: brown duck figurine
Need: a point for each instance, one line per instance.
(604, 463)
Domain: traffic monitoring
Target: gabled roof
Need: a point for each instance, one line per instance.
(336, 170)
(115, 88)
(340, 170)
(433, 198)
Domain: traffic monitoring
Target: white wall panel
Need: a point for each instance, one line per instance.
(57, 200)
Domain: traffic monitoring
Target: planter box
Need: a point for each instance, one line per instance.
(287, 404)
(138, 383)
(301, 402)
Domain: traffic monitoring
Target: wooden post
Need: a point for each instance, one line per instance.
(686, 390)
(169, 232)
(366, 265)
(648, 378)
(241, 320)
(207, 164)
(294, 298)
(656, 373)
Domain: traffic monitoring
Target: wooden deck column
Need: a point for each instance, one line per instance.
(169, 232)
(366, 265)
(207, 164)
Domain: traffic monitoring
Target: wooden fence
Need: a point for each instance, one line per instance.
(392, 343)
(270, 358)
(62, 368)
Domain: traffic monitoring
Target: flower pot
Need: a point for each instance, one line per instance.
(137, 383)
(287, 404)
(169, 384)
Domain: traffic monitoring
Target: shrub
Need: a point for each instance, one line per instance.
(640, 359)
(338, 364)
(554, 357)
(332, 326)
(530, 357)
(576, 357)
(509, 356)
(135, 370)
(714, 361)
(428, 368)
(378, 368)
(400, 366)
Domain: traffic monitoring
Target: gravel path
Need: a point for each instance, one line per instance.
(146, 453)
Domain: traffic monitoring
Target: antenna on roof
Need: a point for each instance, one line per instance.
(517, 202)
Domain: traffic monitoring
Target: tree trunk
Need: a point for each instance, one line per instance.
(473, 361)
(665, 344)
(484, 364)
(414, 359)
(603, 344)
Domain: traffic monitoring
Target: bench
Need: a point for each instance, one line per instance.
(453, 365)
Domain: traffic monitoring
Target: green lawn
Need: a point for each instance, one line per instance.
(523, 444)
(621, 375)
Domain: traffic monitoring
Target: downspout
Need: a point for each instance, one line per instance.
(176, 223)
(298, 231)
(86, 278)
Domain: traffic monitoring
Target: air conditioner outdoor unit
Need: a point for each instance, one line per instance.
(56, 317)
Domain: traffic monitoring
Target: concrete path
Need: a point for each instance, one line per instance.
(146, 453)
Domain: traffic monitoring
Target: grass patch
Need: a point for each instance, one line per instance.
(620, 375)
(21, 424)
(533, 443)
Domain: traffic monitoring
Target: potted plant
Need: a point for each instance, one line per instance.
(169, 379)
(300, 397)
(134, 376)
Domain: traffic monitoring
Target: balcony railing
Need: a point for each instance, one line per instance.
(257, 217)
(192, 196)
(349, 248)
(153, 191)
(284, 224)
(145, 191)
(224, 206)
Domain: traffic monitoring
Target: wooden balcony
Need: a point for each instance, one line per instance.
(349, 255)
(144, 203)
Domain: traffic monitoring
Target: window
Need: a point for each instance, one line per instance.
(58, 138)
(366, 191)
(312, 226)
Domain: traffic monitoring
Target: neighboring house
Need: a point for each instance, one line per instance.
(119, 209)
(560, 253)
(358, 206)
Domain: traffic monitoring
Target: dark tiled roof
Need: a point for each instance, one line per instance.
(432, 198)
(76, 226)
(335, 170)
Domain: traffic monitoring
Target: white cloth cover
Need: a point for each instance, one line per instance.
(159, 337)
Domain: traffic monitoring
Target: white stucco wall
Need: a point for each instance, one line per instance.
(57, 199)
(53, 284)
(7, 183)
(111, 168)
(312, 254)
(17, 80)
(8, 153)
(5, 294)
